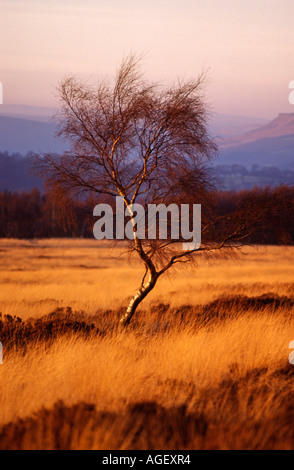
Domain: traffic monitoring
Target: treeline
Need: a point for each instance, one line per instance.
(236, 177)
(33, 214)
(16, 175)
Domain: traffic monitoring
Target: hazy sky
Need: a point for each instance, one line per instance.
(248, 46)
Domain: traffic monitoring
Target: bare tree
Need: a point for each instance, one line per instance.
(142, 142)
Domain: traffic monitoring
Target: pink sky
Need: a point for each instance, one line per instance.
(247, 45)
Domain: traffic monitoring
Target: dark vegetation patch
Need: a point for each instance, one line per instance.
(141, 425)
(86, 266)
(163, 316)
(160, 318)
(220, 418)
(254, 303)
(16, 333)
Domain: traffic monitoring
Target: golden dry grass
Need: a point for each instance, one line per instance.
(39, 276)
(173, 380)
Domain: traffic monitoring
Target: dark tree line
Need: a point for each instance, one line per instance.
(31, 214)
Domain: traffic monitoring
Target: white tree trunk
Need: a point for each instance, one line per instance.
(137, 299)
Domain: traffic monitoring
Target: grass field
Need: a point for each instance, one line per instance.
(204, 365)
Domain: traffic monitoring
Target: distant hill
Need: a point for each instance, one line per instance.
(35, 113)
(225, 126)
(21, 135)
(269, 145)
(15, 173)
(244, 142)
(31, 128)
(280, 126)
